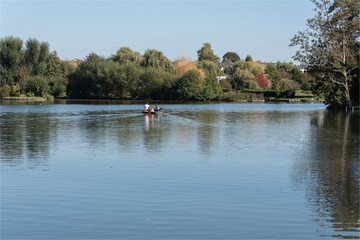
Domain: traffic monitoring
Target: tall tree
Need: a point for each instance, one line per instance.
(230, 57)
(330, 48)
(125, 54)
(36, 56)
(206, 53)
(183, 65)
(11, 59)
(156, 59)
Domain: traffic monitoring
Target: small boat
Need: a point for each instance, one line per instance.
(153, 111)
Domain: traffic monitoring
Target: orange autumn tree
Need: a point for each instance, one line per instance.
(183, 65)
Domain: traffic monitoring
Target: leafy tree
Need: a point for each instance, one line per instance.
(255, 68)
(274, 76)
(190, 85)
(240, 77)
(85, 82)
(127, 84)
(36, 56)
(37, 85)
(288, 84)
(248, 58)
(53, 65)
(206, 53)
(210, 68)
(183, 65)
(11, 58)
(125, 55)
(57, 85)
(151, 83)
(240, 64)
(250, 84)
(261, 80)
(230, 57)
(211, 89)
(156, 59)
(329, 47)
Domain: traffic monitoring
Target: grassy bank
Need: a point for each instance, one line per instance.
(25, 99)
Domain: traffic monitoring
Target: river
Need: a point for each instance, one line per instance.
(103, 170)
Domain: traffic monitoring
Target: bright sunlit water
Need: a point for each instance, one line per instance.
(79, 170)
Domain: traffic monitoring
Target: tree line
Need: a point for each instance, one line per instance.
(330, 52)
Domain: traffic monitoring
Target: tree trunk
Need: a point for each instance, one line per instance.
(347, 95)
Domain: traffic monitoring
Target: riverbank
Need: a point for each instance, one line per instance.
(25, 99)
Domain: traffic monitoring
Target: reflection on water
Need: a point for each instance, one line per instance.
(238, 170)
(331, 171)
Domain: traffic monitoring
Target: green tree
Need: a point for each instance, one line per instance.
(241, 77)
(37, 85)
(125, 55)
(206, 53)
(86, 81)
(129, 79)
(53, 67)
(329, 47)
(240, 64)
(274, 76)
(156, 59)
(230, 57)
(210, 68)
(248, 58)
(190, 86)
(11, 59)
(36, 56)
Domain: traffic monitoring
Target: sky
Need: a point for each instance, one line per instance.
(178, 28)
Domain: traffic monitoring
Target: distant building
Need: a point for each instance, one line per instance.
(75, 62)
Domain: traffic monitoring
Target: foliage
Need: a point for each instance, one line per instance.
(250, 84)
(230, 57)
(240, 79)
(274, 76)
(11, 58)
(36, 56)
(261, 80)
(206, 53)
(255, 68)
(248, 58)
(53, 67)
(288, 84)
(210, 68)
(126, 55)
(329, 47)
(240, 64)
(37, 85)
(190, 85)
(156, 59)
(183, 65)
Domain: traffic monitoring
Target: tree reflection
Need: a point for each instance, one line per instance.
(331, 170)
(26, 135)
(207, 130)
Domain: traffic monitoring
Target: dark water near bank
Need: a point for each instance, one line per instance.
(207, 171)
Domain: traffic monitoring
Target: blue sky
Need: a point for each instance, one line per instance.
(75, 28)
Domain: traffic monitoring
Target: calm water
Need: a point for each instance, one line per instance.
(208, 171)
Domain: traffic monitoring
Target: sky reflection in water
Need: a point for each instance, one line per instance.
(221, 171)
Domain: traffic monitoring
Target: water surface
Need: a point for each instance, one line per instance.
(199, 171)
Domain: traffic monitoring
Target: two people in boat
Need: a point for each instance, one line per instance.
(147, 108)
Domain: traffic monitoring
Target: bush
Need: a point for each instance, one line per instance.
(5, 91)
(250, 84)
(287, 84)
(37, 85)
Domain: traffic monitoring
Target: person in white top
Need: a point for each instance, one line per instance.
(146, 106)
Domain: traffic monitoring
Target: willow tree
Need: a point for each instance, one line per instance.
(330, 48)
(156, 59)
